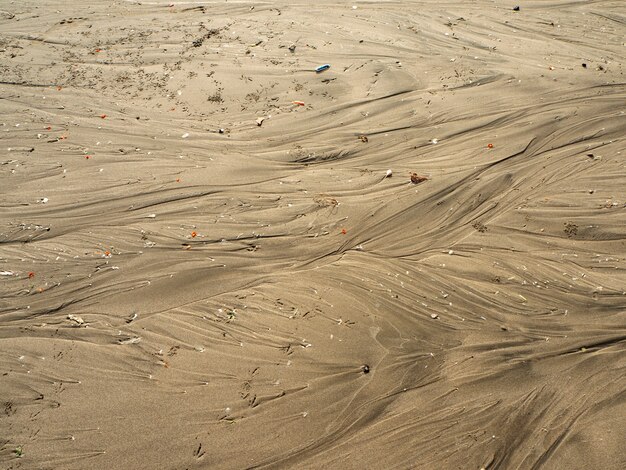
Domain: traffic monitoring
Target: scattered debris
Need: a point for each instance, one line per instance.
(479, 226)
(570, 229)
(363, 138)
(42, 200)
(259, 121)
(434, 316)
(7, 273)
(299, 103)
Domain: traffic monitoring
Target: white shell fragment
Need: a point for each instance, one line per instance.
(75, 318)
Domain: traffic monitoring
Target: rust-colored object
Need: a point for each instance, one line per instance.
(31, 275)
(416, 179)
(194, 234)
(343, 231)
(489, 146)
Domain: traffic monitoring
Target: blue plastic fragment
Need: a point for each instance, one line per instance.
(321, 68)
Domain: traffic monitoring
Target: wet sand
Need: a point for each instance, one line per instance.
(197, 272)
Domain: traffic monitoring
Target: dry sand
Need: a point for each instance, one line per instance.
(174, 297)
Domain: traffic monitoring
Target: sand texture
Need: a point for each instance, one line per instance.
(205, 262)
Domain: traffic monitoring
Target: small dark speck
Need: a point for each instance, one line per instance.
(366, 369)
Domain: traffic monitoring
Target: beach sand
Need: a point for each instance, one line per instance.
(197, 272)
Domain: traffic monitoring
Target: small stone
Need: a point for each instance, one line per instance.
(434, 316)
(416, 179)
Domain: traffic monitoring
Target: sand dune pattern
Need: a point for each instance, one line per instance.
(205, 262)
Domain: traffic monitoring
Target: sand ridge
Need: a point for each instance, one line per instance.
(204, 264)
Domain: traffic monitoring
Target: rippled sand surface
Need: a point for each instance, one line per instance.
(197, 272)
